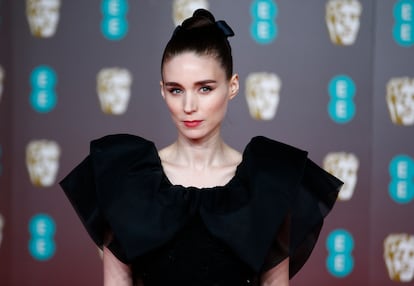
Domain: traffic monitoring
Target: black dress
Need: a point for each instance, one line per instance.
(273, 208)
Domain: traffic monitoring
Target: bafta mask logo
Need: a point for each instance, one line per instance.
(345, 167)
(400, 100)
(42, 161)
(399, 256)
(43, 17)
(182, 9)
(1, 81)
(262, 95)
(114, 90)
(343, 21)
(1, 228)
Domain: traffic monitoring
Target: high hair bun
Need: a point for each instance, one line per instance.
(203, 35)
(204, 18)
(200, 18)
(204, 13)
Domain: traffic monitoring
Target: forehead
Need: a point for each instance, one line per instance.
(189, 65)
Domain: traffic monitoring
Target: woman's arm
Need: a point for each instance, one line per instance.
(115, 272)
(278, 275)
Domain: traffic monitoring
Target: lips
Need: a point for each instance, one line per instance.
(192, 123)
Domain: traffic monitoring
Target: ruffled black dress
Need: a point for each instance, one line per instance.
(273, 208)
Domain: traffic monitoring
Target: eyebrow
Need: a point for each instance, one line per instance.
(202, 82)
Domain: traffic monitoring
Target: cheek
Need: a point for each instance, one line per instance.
(173, 106)
(218, 107)
(168, 102)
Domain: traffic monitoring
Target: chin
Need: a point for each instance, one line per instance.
(195, 135)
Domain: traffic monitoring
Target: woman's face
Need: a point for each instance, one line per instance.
(197, 91)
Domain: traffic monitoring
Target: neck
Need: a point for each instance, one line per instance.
(200, 154)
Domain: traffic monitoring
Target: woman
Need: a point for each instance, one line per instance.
(198, 212)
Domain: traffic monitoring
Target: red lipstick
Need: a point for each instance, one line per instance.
(192, 123)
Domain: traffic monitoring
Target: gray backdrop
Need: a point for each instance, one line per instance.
(303, 57)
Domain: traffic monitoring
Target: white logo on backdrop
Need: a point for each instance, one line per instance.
(344, 166)
(399, 256)
(400, 100)
(262, 95)
(343, 21)
(114, 90)
(42, 162)
(43, 17)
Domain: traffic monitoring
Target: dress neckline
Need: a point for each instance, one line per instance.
(195, 188)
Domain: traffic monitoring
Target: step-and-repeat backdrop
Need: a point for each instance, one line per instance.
(334, 77)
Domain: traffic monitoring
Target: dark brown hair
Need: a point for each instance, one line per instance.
(202, 35)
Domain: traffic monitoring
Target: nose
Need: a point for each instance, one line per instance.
(190, 103)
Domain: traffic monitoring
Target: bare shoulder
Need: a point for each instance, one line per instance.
(166, 154)
(233, 155)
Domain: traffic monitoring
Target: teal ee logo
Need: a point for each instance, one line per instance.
(42, 230)
(341, 107)
(263, 28)
(401, 186)
(43, 96)
(114, 24)
(403, 30)
(340, 245)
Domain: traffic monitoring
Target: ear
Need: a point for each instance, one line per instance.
(234, 86)
(162, 89)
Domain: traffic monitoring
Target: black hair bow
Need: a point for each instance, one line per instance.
(225, 28)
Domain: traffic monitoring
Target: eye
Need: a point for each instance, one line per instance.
(174, 91)
(205, 89)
